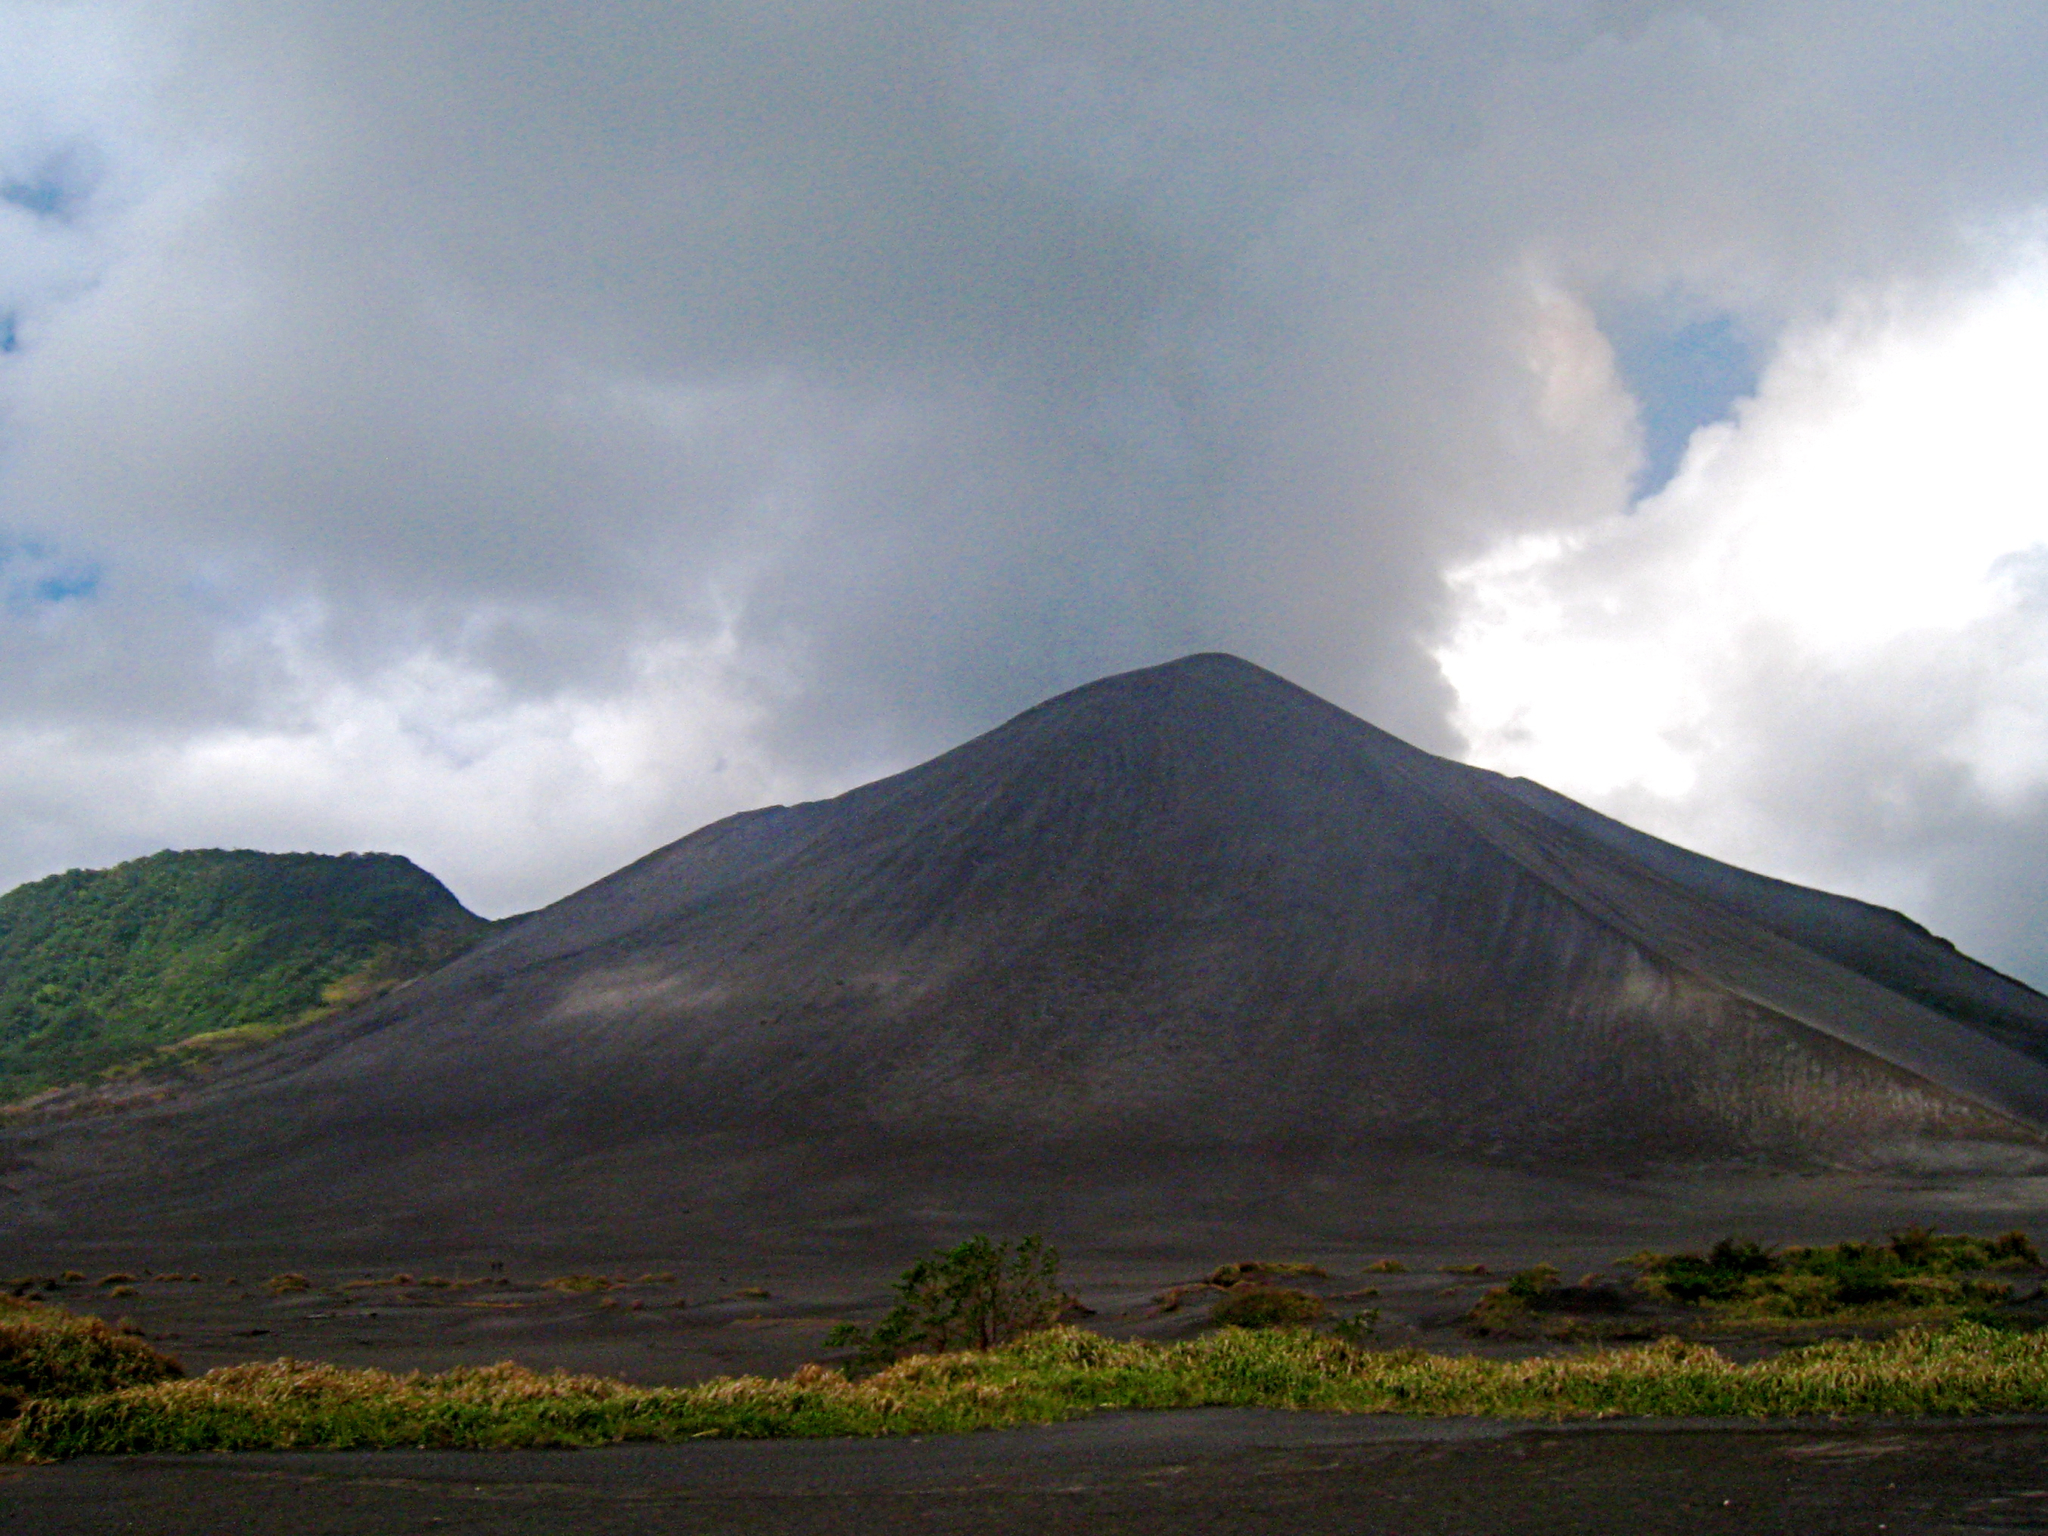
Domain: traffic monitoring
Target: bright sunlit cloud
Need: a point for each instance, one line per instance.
(1846, 582)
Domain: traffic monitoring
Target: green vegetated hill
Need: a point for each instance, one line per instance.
(106, 968)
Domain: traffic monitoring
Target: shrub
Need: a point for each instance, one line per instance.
(1533, 1284)
(1386, 1267)
(578, 1284)
(976, 1296)
(1228, 1275)
(1916, 1268)
(1250, 1305)
(2013, 1250)
(284, 1285)
(48, 1351)
(1717, 1276)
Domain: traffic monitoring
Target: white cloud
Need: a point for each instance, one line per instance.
(511, 801)
(1823, 649)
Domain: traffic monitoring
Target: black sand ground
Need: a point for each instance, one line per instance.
(1182, 968)
(1206, 1471)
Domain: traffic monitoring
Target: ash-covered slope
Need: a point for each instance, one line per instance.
(1178, 911)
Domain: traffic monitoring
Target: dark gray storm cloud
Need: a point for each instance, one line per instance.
(518, 431)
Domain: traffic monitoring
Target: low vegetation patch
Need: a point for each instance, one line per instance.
(1915, 1274)
(1251, 1305)
(580, 1285)
(1046, 1375)
(1228, 1275)
(1916, 1277)
(1535, 1302)
(47, 1351)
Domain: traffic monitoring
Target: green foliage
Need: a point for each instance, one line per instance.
(46, 1351)
(1532, 1285)
(1042, 1377)
(203, 952)
(975, 1296)
(1250, 1305)
(1916, 1269)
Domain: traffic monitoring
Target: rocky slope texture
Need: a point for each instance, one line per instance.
(179, 955)
(1165, 927)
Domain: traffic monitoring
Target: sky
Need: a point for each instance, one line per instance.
(514, 434)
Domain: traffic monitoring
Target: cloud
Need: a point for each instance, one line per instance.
(1822, 651)
(894, 365)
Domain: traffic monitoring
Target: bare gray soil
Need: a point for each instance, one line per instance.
(1206, 1471)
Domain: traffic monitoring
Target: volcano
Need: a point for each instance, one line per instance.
(1172, 920)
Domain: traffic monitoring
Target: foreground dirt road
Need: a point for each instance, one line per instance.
(1190, 1474)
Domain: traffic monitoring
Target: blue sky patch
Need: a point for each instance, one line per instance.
(1685, 370)
(59, 188)
(45, 196)
(34, 578)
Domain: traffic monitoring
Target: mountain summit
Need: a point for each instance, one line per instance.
(1166, 917)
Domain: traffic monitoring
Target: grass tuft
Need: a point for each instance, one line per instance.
(46, 1351)
(1251, 1305)
(1228, 1275)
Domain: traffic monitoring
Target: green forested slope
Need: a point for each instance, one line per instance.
(102, 967)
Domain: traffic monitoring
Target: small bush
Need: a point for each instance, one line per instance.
(976, 1296)
(1466, 1269)
(48, 1351)
(1386, 1267)
(1228, 1275)
(1533, 1284)
(124, 1290)
(578, 1284)
(1250, 1305)
(118, 1277)
(1500, 1311)
(284, 1285)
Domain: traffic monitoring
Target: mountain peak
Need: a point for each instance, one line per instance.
(1178, 917)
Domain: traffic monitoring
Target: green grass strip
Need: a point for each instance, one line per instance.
(1059, 1374)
